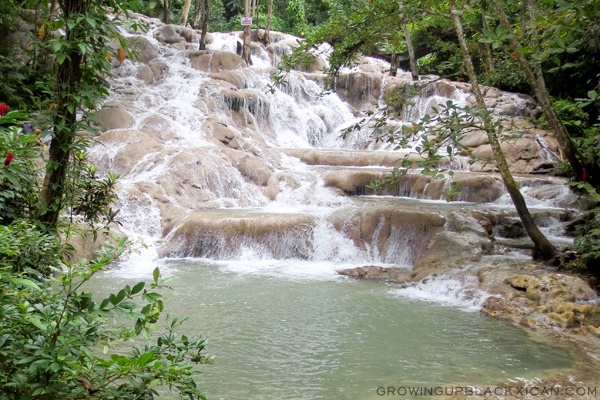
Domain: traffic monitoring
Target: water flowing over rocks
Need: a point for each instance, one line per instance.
(216, 162)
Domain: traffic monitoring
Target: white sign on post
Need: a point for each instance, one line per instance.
(246, 21)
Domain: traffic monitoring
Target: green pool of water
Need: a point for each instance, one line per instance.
(278, 338)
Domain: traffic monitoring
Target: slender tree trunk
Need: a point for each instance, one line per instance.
(205, 19)
(489, 58)
(68, 76)
(538, 84)
(166, 11)
(53, 7)
(185, 12)
(411, 53)
(198, 6)
(246, 45)
(255, 14)
(267, 37)
(543, 248)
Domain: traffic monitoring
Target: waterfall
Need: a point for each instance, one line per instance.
(221, 164)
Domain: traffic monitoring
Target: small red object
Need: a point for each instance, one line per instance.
(584, 176)
(4, 109)
(8, 159)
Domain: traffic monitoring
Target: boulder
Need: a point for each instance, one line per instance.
(157, 127)
(361, 90)
(377, 272)
(215, 61)
(131, 146)
(144, 49)
(221, 133)
(144, 74)
(396, 235)
(158, 68)
(171, 34)
(254, 169)
(452, 249)
(109, 118)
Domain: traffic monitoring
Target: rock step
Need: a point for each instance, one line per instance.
(383, 229)
(354, 158)
(463, 186)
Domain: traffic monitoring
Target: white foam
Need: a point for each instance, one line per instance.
(295, 270)
(141, 262)
(445, 290)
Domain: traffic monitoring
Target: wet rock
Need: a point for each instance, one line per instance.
(132, 146)
(157, 127)
(109, 118)
(221, 132)
(474, 139)
(361, 90)
(144, 74)
(254, 169)
(279, 181)
(452, 249)
(145, 50)
(171, 34)
(377, 272)
(510, 228)
(199, 175)
(215, 61)
(399, 235)
(158, 68)
(477, 188)
(224, 233)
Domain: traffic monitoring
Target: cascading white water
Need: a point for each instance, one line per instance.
(254, 237)
(186, 168)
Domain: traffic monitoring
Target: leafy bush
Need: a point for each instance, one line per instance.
(52, 332)
(26, 249)
(589, 145)
(587, 246)
(572, 116)
(19, 174)
(507, 75)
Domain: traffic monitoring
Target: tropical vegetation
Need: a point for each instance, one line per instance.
(56, 340)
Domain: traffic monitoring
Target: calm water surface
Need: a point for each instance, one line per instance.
(283, 338)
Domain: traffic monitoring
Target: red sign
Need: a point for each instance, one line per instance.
(246, 21)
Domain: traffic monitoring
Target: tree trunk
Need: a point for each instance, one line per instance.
(68, 76)
(198, 6)
(267, 38)
(411, 53)
(543, 248)
(205, 19)
(246, 45)
(489, 58)
(538, 84)
(166, 11)
(185, 12)
(255, 14)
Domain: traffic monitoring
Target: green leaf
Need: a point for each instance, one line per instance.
(156, 274)
(128, 305)
(145, 358)
(35, 320)
(152, 297)
(138, 288)
(26, 282)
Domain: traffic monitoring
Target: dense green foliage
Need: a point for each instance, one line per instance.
(56, 340)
